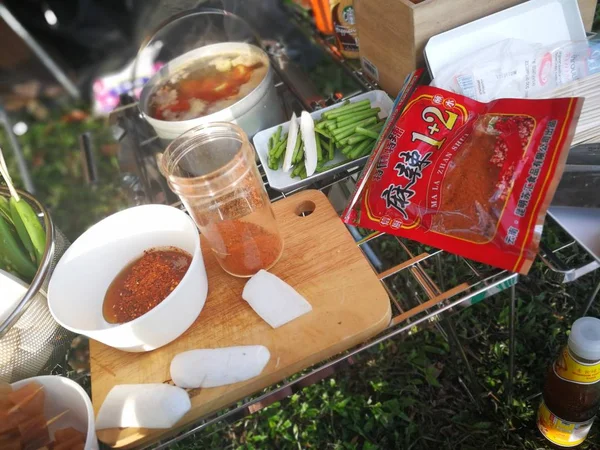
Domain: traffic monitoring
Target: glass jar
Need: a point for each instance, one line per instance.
(212, 170)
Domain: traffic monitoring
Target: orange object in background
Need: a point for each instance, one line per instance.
(322, 11)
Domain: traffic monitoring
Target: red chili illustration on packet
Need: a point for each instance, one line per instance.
(471, 178)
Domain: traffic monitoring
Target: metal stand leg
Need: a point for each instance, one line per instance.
(511, 345)
(448, 326)
(44, 57)
(14, 143)
(590, 302)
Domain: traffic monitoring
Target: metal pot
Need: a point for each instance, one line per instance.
(256, 111)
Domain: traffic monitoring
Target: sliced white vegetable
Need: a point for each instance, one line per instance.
(208, 368)
(143, 406)
(273, 299)
(307, 128)
(291, 143)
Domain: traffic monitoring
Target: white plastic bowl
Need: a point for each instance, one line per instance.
(63, 394)
(83, 274)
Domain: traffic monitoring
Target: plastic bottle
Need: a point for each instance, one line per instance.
(571, 395)
(344, 24)
(322, 13)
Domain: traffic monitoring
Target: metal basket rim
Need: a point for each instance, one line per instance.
(44, 267)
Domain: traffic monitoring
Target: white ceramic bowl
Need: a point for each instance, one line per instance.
(83, 274)
(256, 111)
(63, 394)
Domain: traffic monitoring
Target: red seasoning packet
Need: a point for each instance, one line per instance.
(471, 178)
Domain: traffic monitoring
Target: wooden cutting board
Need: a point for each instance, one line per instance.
(320, 260)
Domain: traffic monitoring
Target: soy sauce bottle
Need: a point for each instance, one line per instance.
(571, 395)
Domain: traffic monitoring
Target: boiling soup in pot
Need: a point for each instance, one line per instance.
(207, 86)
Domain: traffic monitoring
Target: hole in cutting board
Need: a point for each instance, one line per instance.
(306, 208)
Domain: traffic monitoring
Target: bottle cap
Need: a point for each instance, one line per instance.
(584, 339)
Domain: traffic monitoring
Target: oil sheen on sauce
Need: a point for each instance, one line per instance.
(144, 283)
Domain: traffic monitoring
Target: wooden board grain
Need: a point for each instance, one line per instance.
(320, 260)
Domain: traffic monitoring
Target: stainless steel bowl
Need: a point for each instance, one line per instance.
(259, 109)
(30, 339)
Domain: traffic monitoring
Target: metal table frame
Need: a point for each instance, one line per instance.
(419, 266)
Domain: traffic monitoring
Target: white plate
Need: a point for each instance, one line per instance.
(535, 21)
(282, 181)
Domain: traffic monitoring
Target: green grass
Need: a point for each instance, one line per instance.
(409, 392)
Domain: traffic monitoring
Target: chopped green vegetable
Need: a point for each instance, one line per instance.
(296, 149)
(331, 166)
(300, 155)
(365, 132)
(345, 109)
(349, 130)
(323, 133)
(270, 144)
(360, 149)
(319, 148)
(297, 169)
(277, 137)
(352, 118)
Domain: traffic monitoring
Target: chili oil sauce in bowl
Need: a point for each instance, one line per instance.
(79, 284)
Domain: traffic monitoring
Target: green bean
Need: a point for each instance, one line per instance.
(350, 130)
(323, 133)
(280, 148)
(347, 150)
(367, 150)
(365, 132)
(351, 127)
(12, 254)
(300, 154)
(356, 138)
(277, 137)
(331, 150)
(319, 148)
(359, 149)
(332, 166)
(327, 123)
(296, 149)
(344, 109)
(358, 117)
(272, 163)
(297, 169)
(302, 173)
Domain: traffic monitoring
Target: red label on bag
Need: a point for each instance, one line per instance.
(471, 178)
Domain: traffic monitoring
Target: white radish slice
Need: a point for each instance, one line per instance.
(214, 367)
(307, 128)
(275, 301)
(291, 143)
(153, 405)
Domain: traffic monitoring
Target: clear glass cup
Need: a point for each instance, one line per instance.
(213, 171)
